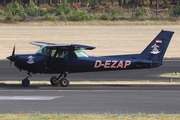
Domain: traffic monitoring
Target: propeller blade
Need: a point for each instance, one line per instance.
(13, 50)
(12, 57)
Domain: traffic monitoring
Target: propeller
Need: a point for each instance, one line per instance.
(12, 57)
(13, 50)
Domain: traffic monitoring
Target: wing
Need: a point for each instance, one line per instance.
(40, 44)
(65, 46)
(78, 46)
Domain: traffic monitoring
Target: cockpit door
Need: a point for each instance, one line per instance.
(59, 61)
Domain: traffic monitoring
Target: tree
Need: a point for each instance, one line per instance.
(120, 3)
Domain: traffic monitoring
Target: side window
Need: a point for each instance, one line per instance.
(53, 51)
(62, 54)
(80, 53)
(50, 51)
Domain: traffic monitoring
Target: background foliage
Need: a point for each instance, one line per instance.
(71, 10)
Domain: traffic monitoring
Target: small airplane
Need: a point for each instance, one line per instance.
(70, 58)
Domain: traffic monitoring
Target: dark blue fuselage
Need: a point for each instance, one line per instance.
(42, 64)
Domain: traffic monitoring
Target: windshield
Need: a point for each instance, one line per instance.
(61, 53)
(80, 53)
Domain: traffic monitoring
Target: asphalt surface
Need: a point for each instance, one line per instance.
(120, 98)
(115, 99)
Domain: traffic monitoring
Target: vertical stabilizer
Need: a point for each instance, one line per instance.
(156, 49)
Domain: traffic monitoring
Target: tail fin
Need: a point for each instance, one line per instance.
(156, 49)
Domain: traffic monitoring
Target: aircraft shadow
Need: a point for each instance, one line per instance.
(70, 87)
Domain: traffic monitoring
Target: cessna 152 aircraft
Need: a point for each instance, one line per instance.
(70, 58)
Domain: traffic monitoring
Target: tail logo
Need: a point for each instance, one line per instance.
(155, 49)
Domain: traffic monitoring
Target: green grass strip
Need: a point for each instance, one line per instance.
(139, 116)
(171, 75)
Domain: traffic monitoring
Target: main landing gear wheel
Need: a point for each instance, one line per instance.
(25, 82)
(64, 82)
(54, 81)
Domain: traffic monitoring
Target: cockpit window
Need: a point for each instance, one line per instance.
(47, 51)
(53, 52)
(62, 53)
(80, 53)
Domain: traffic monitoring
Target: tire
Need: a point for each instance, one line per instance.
(64, 82)
(25, 82)
(54, 81)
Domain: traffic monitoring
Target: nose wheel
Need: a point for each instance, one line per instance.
(55, 81)
(26, 82)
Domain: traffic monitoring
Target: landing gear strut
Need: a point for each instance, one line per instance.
(26, 82)
(55, 81)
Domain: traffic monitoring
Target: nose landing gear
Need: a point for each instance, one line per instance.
(26, 82)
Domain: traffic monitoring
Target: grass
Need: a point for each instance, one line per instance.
(94, 23)
(171, 75)
(139, 116)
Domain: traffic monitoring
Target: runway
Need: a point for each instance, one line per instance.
(108, 99)
(119, 98)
